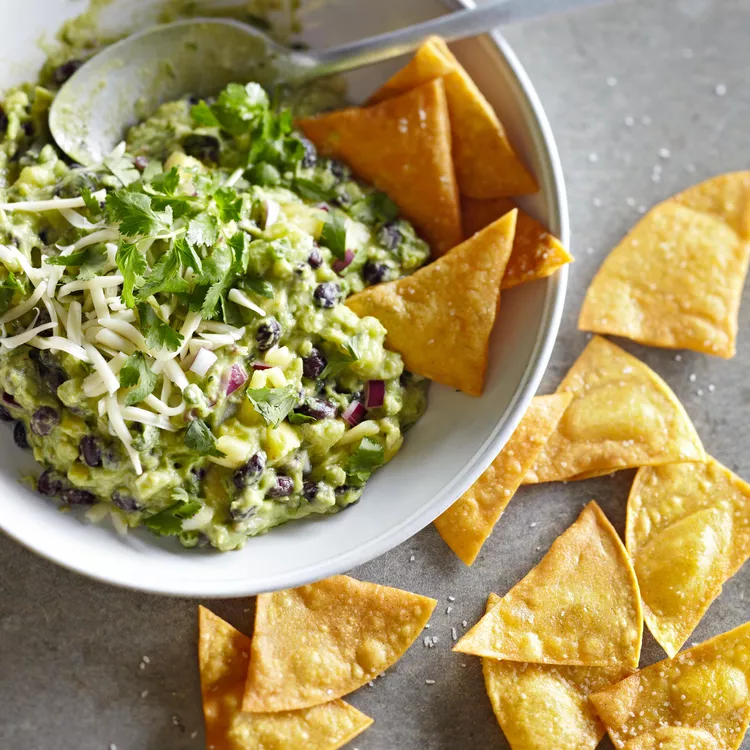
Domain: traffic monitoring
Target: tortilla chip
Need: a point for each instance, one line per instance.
(536, 253)
(676, 279)
(223, 654)
(688, 531)
(440, 318)
(403, 147)
(322, 641)
(486, 164)
(578, 606)
(622, 415)
(541, 706)
(673, 738)
(466, 525)
(704, 689)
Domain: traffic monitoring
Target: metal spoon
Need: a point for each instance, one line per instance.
(127, 81)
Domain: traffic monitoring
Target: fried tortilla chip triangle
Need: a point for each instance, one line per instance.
(703, 692)
(543, 706)
(622, 415)
(676, 279)
(469, 521)
(536, 253)
(578, 606)
(322, 641)
(486, 164)
(403, 147)
(440, 318)
(223, 655)
(688, 531)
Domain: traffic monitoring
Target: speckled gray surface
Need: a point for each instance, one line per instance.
(620, 84)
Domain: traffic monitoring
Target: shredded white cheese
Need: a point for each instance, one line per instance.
(240, 298)
(25, 306)
(173, 371)
(160, 405)
(58, 343)
(11, 342)
(100, 364)
(56, 204)
(135, 414)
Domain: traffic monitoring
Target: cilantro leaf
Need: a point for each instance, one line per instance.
(136, 372)
(123, 168)
(238, 107)
(73, 259)
(153, 169)
(216, 280)
(229, 205)
(273, 404)
(168, 522)
(261, 287)
(311, 190)
(187, 254)
(375, 208)
(91, 203)
(202, 230)
(135, 214)
(333, 235)
(368, 456)
(8, 288)
(92, 264)
(132, 266)
(298, 418)
(166, 182)
(338, 361)
(240, 251)
(212, 302)
(165, 276)
(203, 115)
(158, 334)
(200, 439)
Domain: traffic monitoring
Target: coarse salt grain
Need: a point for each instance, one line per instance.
(692, 377)
(611, 81)
(645, 120)
(448, 610)
(429, 682)
(678, 357)
(630, 121)
(664, 153)
(711, 387)
(593, 157)
(412, 558)
(451, 598)
(597, 202)
(720, 89)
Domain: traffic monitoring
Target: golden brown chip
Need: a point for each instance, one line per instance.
(704, 689)
(440, 318)
(578, 606)
(622, 415)
(676, 280)
(536, 253)
(322, 641)
(469, 521)
(486, 164)
(403, 147)
(223, 655)
(688, 531)
(541, 706)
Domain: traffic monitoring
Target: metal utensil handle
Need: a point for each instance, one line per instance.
(450, 26)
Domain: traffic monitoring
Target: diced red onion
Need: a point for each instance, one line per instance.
(340, 265)
(237, 377)
(272, 212)
(374, 393)
(261, 366)
(323, 207)
(354, 413)
(203, 362)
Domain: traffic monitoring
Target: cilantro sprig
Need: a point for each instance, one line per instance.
(200, 439)
(368, 456)
(158, 334)
(339, 360)
(168, 522)
(137, 375)
(273, 404)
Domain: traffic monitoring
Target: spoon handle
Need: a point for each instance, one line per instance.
(450, 26)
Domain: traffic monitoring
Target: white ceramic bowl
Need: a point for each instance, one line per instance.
(447, 450)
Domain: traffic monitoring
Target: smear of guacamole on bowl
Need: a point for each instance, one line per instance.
(203, 268)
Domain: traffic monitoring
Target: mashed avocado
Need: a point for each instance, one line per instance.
(174, 348)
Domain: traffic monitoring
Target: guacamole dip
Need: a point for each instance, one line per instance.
(173, 344)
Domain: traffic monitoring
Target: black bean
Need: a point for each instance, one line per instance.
(63, 72)
(193, 99)
(310, 490)
(77, 497)
(124, 501)
(242, 514)
(283, 488)
(390, 235)
(338, 170)
(315, 259)
(90, 450)
(250, 473)
(313, 364)
(374, 273)
(8, 399)
(268, 333)
(28, 128)
(44, 420)
(327, 294)
(343, 489)
(19, 435)
(317, 409)
(5, 415)
(50, 483)
(311, 154)
(3, 121)
(203, 147)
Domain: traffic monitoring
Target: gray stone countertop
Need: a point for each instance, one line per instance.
(645, 98)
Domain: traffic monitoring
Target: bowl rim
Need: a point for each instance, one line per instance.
(555, 194)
